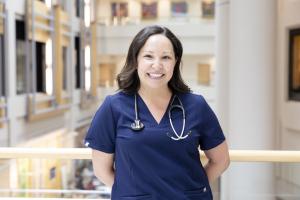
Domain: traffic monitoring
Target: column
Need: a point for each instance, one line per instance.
(11, 73)
(246, 93)
(222, 75)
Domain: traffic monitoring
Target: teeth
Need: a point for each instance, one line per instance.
(155, 75)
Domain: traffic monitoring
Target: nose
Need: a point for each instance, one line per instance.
(157, 64)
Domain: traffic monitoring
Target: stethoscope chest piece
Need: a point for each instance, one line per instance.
(137, 125)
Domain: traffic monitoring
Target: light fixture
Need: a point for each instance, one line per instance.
(48, 3)
(87, 13)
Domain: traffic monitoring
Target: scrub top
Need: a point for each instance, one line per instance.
(148, 163)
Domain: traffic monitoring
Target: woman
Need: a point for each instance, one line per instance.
(145, 138)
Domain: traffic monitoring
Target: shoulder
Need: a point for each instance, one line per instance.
(192, 98)
(193, 102)
(118, 97)
(118, 100)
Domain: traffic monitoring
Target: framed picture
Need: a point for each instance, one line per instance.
(119, 9)
(179, 9)
(208, 9)
(52, 173)
(149, 10)
(294, 64)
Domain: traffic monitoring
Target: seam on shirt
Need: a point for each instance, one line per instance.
(114, 120)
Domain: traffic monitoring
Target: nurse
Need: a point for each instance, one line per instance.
(146, 137)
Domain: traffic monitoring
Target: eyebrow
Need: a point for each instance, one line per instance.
(153, 52)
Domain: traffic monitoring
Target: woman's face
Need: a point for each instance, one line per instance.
(156, 61)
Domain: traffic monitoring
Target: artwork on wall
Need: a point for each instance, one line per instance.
(208, 9)
(52, 173)
(294, 64)
(179, 9)
(149, 10)
(119, 10)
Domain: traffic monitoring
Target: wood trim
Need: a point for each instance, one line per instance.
(41, 104)
(39, 34)
(64, 19)
(61, 41)
(94, 60)
(204, 77)
(58, 56)
(1, 19)
(2, 112)
(47, 115)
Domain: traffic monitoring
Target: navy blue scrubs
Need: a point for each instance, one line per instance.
(149, 164)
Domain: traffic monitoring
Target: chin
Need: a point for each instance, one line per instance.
(157, 86)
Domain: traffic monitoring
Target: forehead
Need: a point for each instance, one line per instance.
(159, 43)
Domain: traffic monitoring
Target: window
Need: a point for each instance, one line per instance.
(20, 57)
(77, 8)
(2, 53)
(77, 62)
(294, 64)
(2, 66)
(65, 67)
(40, 67)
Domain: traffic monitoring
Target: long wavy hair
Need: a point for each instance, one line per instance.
(128, 80)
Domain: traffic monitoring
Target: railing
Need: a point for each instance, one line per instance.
(85, 153)
(263, 156)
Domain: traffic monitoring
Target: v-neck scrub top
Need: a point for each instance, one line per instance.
(148, 163)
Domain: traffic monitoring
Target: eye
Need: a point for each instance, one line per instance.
(166, 57)
(147, 56)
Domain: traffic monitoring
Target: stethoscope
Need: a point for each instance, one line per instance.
(137, 125)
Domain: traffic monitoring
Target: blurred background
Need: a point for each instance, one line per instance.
(59, 59)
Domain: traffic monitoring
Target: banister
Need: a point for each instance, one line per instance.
(85, 153)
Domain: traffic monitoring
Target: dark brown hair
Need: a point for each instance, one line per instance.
(128, 79)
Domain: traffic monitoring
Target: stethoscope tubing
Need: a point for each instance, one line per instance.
(137, 125)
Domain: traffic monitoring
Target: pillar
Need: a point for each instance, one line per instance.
(246, 93)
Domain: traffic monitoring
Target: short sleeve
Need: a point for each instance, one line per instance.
(101, 133)
(212, 134)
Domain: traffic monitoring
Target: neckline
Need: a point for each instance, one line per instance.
(153, 120)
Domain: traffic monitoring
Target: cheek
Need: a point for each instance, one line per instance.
(170, 71)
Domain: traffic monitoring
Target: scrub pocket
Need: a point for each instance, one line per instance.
(198, 194)
(138, 197)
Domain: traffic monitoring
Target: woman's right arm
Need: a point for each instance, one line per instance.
(103, 164)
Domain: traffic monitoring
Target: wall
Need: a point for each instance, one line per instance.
(289, 113)
(134, 11)
(196, 39)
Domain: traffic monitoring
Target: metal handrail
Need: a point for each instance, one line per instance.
(86, 153)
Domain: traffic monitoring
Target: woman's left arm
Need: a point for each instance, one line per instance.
(218, 161)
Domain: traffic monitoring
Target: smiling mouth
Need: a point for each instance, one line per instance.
(155, 75)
